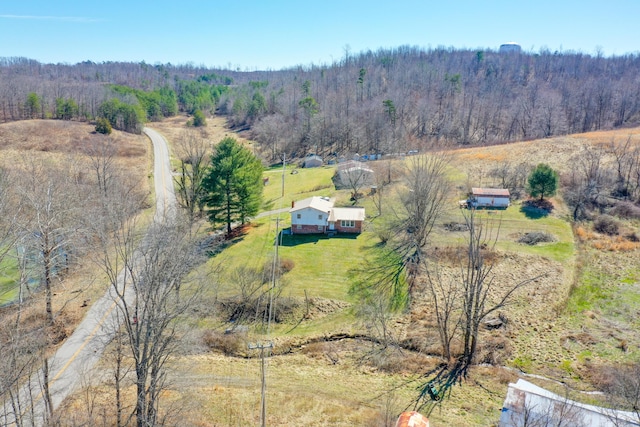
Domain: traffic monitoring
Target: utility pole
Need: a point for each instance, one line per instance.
(269, 345)
(284, 164)
(263, 371)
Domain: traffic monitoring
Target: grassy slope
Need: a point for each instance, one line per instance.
(322, 267)
(542, 346)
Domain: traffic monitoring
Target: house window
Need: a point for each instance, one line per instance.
(320, 217)
(299, 216)
(320, 228)
(298, 226)
(347, 224)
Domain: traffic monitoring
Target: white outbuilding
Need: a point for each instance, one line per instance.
(490, 198)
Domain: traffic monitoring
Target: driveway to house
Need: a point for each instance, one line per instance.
(70, 367)
(273, 212)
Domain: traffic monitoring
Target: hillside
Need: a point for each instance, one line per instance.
(384, 101)
(326, 367)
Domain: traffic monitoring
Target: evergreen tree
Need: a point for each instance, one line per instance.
(32, 105)
(199, 119)
(103, 126)
(233, 184)
(66, 109)
(542, 182)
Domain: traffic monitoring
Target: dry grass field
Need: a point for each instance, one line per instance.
(580, 316)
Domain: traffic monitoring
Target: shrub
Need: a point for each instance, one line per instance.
(199, 119)
(103, 126)
(626, 210)
(285, 266)
(536, 237)
(606, 224)
(456, 226)
(229, 344)
(384, 234)
(583, 234)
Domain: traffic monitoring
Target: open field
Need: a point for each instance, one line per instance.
(580, 315)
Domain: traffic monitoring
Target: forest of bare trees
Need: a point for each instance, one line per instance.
(386, 101)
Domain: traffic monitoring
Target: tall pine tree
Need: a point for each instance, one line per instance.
(233, 184)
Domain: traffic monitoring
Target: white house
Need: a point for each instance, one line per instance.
(317, 215)
(490, 198)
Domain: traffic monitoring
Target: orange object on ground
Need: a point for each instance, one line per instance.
(412, 419)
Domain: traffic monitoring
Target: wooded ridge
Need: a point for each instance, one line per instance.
(390, 100)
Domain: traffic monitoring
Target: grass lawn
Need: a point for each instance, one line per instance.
(509, 224)
(9, 278)
(323, 266)
(299, 183)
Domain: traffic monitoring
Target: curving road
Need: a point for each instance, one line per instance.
(163, 180)
(76, 357)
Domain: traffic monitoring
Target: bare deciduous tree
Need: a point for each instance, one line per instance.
(627, 164)
(50, 235)
(102, 156)
(623, 391)
(445, 297)
(382, 175)
(151, 289)
(478, 282)
(192, 150)
(423, 204)
(462, 304)
(49, 226)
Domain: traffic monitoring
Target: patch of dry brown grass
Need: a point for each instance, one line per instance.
(555, 151)
(173, 127)
(63, 137)
(603, 242)
(615, 244)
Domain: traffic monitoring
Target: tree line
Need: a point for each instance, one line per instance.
(382, 101)
(394, 100)
(125, 95)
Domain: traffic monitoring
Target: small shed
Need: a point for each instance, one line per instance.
(312, 161)
(490, 197)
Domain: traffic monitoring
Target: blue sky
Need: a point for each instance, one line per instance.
(272, 34)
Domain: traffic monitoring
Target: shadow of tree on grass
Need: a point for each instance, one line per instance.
(536, 209)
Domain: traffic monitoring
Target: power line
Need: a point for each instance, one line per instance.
(269, 345)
